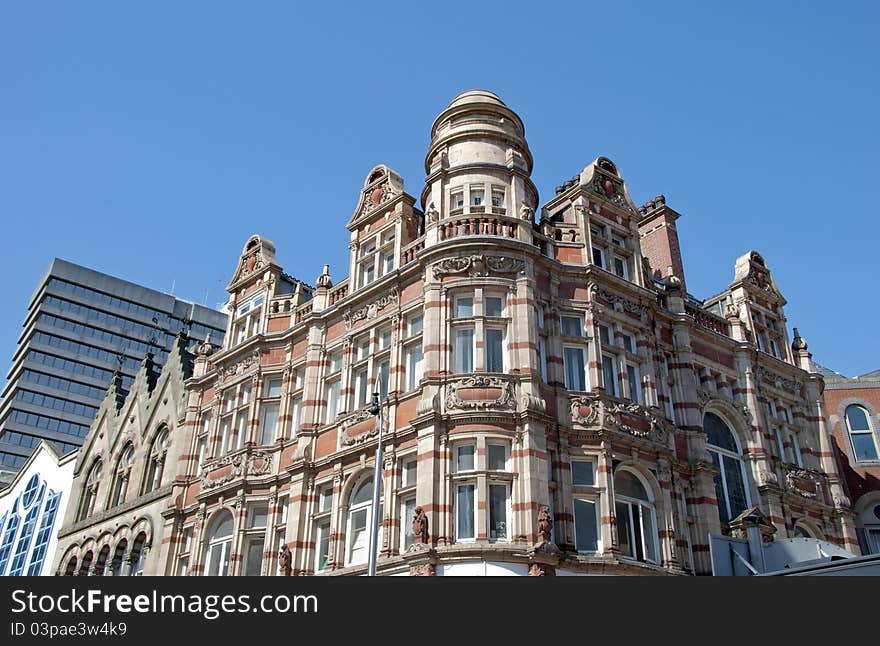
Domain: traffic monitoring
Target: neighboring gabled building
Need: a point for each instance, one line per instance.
(853, 407)
(125, 471)
(32, 507)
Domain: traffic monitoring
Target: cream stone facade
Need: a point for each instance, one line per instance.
(554, 401)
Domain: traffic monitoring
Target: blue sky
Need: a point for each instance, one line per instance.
(149, 140)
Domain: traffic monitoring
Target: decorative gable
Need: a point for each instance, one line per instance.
(381, 187)
(257, 256)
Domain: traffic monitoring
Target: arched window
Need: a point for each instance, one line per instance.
(219, 545)
(70, 570)
(360, 519)
(858, 423)
(117, 564)
(157, 461)
(730, 482)
(138, 554)
(636, 521)
(121, 477)
(86, 563)
(90, 494)
(101, 563)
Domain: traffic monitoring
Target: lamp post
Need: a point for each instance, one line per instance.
(376, 409)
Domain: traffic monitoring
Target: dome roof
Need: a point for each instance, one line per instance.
(476, 96)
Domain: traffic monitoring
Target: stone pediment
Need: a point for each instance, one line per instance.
(381, 187)
(257, 256)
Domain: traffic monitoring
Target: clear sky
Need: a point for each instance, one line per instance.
(149, 140)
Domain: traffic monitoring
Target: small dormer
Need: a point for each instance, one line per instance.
(256, 277)
(761, 305)
(383, 223)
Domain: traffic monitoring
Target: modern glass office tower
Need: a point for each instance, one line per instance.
(81, 326)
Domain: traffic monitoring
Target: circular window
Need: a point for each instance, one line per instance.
(30, 492)
(877, 511)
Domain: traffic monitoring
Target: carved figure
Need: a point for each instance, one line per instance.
(420, 526)
(285, 558)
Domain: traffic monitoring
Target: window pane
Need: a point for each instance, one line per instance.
(415, 325)
(463, 359)
(624, 528)
(413, 367)
(497, 511)
(269, 423)
(464, 503)
(598, 258)
(605, 335)
(582, 473)
(575, 376)
(650, 534)
(494, 306)
(585, 530)
(494, 350)
(254, 558)
(857, 418)
(718, 433)
(407, 511)
(258, 516)
(863, 444)
(635, 388)
(326, 498)
(464, 307)
(571, 326)
(735, 488)
(358, 537)
(323, 544)
(382, 378)
(272, 389)
(497, 457)
(408, 477)
(723, 510)
(465, 460)
(609, 370)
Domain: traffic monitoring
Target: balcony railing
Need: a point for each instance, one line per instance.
(708, 320)
(411, 251)
(500, 226)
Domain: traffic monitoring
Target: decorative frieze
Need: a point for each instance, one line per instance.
(477, 265)
(236, 465)
(371, 310)
(480, 392)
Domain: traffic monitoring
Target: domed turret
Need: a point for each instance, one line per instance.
(478, 163)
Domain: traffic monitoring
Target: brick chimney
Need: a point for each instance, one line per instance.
(659, 239)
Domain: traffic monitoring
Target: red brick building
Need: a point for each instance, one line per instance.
(852, 406)
(554, 400)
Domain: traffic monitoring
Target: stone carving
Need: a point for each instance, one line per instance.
(285, 559)
(371, 310)
(802, 482)
(704, 396)
(240, 366)
(767, 477)
(541, 569)
(609, 189)
(420, 526)
(585, 409)
(506, 400)
(423, 569)
(778, 381)
(526, 212)
(545, 526)
(478, 266)
(619, 302)
(359, 416)
(240, 464)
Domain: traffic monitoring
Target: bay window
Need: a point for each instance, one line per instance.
(463, 350)
(478, 315)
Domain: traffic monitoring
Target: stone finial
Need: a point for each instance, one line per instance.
(799, 343)
(673, 282)
(323, 281)
(660, 200)
(205, 349)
